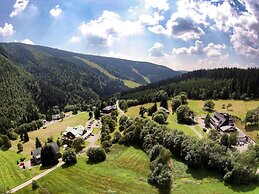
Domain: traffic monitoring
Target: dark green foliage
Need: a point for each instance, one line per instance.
(213, 135)
(48, 156)
(122, 122)
(185, 114)
(152, 110)
(233, 139)
(176, 102)
(19, 147)
(90, 115)
(252, 116)
(5, 142)
(50, 139)
(78, 144)
(38, 143)
(69, 157)
(224, 140)
(203, 84)
(97, 113)
(26, 137)
(34, 185)
(96, 155)
(159, 118)
(209, 105)
(207, 121)
(116, 137)
(142, 111)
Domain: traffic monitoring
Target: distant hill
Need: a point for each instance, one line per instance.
(220, 83)
(47, 77)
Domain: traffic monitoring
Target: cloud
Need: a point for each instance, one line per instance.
(75, 39)
(184, 23)
(157, 50)
(146, 19)
(211, 50)
(19, 6)
(108, 28)
(7, 30)
(27, 41)
(162, 5)
(55, 12)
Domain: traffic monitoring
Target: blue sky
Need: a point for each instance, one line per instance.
(183, 34)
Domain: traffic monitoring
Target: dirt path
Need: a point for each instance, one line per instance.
(119, 109)
(91, 139)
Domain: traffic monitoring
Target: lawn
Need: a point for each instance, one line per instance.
(54, 130)
(10, 174)
(125, 171)
(203, 182)
(134, 110)
(96, 131)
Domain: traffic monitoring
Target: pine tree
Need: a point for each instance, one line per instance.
(38, 143)
(26, 136)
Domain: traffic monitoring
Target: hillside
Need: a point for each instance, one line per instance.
(44, 77)
(18, 91)
(221, 83)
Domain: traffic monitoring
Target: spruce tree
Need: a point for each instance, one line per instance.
(38, 143)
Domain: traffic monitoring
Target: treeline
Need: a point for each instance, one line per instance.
(204, 84)
(238, 168)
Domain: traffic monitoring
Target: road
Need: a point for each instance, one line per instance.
(119, 109)
(91, 139)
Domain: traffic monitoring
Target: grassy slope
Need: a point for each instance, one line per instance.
(51, 130)
(128, 83)
(203, 182)
(124, 171)
(10, 174)
(131, 84)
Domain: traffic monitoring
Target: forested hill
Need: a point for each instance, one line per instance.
(38, 78)
(220, 83)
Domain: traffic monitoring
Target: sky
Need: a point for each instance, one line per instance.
(180, 34)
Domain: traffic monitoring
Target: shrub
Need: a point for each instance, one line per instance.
(159, 118)
(69, 157)
(78, 144)
(19, 147)
(5, 141)
(96, 154)
(34, 185)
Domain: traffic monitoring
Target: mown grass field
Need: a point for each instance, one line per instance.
(201, 181)
(10, 174)
(54, 130)
(124, 171)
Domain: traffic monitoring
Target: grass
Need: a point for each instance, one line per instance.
(124, 171)
(172, 124)
(96, 66)
(96, 131)
(10, 174)
(54, 130)
(200, 130)
(200, 181)
(131, 84)
(134, 110)
(239, 107)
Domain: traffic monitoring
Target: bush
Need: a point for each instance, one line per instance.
(19, 147)
(69, 157)
(96, 155)
(34, 185)
(116, 138)
(185, 115)
(78, 144)
(209, 105)
(5, 141)
(159, 118)
(50, 139)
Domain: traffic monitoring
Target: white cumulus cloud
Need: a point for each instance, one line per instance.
(211, 50)
(75, 39)
(27, 41)
(108, 28)
(157, 50)
(56, 11)
(7, 30)
(19, 6)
